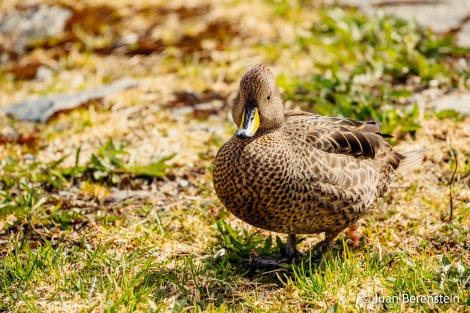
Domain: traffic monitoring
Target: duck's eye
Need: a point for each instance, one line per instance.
(269, 97)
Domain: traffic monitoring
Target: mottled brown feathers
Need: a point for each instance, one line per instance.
(301, 172)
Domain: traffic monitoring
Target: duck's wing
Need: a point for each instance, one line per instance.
(346, 137)
(360, 139)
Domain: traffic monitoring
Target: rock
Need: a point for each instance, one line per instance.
(463, 37)
(19, 28)
(183, 183)
(441, 16)
(459, 102)
(43, 73)
(40, 110)
(29, 157)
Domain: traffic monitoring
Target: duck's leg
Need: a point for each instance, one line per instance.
(326, 245)
(290, 255)
(291, 250)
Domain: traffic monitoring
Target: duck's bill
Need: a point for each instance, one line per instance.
(249, 124)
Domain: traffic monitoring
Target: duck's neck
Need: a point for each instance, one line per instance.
(266, 131)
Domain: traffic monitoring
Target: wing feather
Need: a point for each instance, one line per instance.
(341, 135)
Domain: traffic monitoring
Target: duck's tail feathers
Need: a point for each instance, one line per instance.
(410, 160)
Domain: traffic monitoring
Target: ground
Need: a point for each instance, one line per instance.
(110, 206)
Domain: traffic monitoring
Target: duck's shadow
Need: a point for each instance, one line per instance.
(258, 257)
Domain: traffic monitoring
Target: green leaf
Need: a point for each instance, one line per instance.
(445, 260)
(56, 163)
(279, 243)
(333, 308)
(112, 159)
(268, 243)
(155, 169)
(96, 162)
(77, 156)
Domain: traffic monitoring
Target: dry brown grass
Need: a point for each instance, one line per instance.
(171, 224)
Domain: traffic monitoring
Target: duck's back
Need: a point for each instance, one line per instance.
(314, 174)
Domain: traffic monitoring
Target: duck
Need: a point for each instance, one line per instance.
(296, 172)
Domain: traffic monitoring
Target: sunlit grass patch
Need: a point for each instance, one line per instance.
(371, 280)
(72, 239)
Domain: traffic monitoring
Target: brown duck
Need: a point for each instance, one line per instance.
(301, 173)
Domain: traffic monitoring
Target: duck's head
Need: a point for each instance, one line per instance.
(258, 105)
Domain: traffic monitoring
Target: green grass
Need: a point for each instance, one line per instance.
(372, 64)
(29, 190)
(64, 247)
(82, 271)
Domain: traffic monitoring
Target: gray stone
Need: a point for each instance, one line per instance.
(183, 183)
(459, 102)
(29, 157)
(44, 73)
(463, 37)
(439, 15)
(19, 28)
(40, 110)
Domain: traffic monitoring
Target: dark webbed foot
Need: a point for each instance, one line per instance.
(325, 247)
(269, 262)
(290, 256)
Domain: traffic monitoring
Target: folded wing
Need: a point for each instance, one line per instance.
(361, 139)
